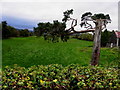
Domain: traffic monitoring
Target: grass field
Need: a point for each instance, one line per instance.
(31, 51)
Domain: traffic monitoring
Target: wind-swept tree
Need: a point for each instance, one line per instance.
(67, 17)
(100, 21)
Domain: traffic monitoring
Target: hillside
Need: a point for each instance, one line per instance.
(35, 51)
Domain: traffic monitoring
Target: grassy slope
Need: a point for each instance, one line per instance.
(34, 51)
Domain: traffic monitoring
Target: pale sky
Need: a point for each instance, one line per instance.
(21, 14)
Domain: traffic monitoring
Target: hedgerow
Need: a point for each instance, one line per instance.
(56, 76)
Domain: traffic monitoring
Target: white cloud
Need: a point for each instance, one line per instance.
(60, 0)
(49, 11)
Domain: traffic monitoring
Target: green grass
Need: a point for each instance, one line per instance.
(35, 51)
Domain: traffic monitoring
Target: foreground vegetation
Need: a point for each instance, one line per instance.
(56, 76)
(31, 51)
(63, 65)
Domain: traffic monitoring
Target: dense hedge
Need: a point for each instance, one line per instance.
(84, 36)
(56, 76)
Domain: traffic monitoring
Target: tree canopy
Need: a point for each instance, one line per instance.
(67, 15)
(52, 31)
(9, 31)
(89, 17)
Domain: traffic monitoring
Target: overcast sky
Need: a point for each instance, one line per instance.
(29, 14)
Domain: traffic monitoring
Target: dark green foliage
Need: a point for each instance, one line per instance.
(85, 36)
(24, 33)
(86, 14)
(57, 77)
(42, 28)
(0, 26)
(12, 31)
(82, 24)
(86, 17)
(52, 31)
(105, 36)
(67, 15)
(89, 17)
(113, 38)
(5, 31)
(100, 16)
(9, 31)
(0, 30)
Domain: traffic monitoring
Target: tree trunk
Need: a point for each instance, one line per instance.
(97, 43)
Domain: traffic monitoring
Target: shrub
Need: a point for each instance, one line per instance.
(56, 76)
(84, 36)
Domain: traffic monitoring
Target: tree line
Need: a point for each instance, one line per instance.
(105, 37)
(51, 32)
(9, 31)
(55, 31)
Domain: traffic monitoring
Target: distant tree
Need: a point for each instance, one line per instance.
(12, 31)
(105, 36)
(31, 33)
(42, 28)
(1, 30)
(24, 33)
(8, 31)
(5, 30)
(0, 26)
(86, 36)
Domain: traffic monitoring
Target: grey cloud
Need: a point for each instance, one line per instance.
(49, 11)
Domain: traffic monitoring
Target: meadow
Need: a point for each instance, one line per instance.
(29, 51)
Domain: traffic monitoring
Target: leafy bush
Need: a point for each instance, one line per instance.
(56, 76)
(87, 36)
(84, 36)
